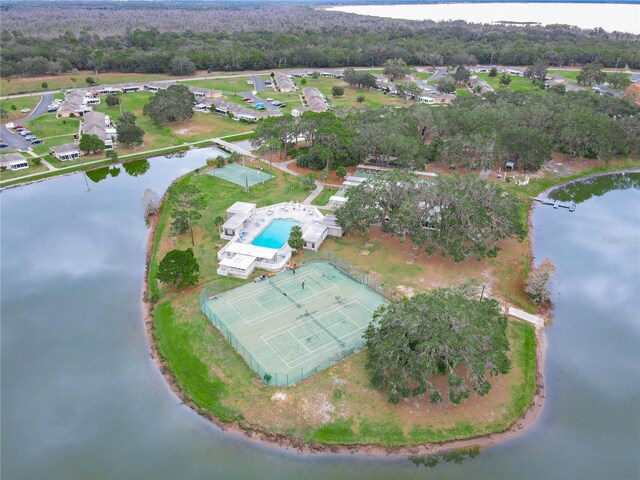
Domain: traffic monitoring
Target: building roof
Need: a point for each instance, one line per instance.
(94, 118)
(239, 261)
(241, 207)
(235, 222)
(315, 99)
(314, 232)
(7, 158)
(66, 148)
(251, 250)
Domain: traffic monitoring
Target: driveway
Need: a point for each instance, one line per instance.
(440, 72)
(14, 140)
(258, 83)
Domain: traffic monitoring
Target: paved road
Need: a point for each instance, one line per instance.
(14, 140)
(258, 83)
(440, 72)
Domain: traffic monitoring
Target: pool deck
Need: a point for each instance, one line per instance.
(240, 258)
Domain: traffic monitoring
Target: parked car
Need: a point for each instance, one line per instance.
(3, 145)
(52, 108)
(25, 110)
(246, 99)
(24, 133)
(17, 126)
(269, 99)
(30, 137)
(36, 141)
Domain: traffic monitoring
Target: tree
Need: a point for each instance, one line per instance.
(446, 84)
(112, 155)
(186, 201)
(558, 88)
(537, 72)
(590, 74)
(360, 98)
(462, 74)
(359, 79)
(618, 80)
(324, 174)
(182, 65)
(44, 85)
(462, 216)
(91, 144)
(537, 286)
(130, 134)
(411, 341)
(14, 108)
(295, 238)
(74, 80)
(341, 172)
(528, 147)
(179, 268)
(218, 222)
(112, 100)
(505, 79)
(395, 68)
(90, 81)
(3, 112)
(493, 72)
(174, 104)
(150, 203)
(127, 117)
(337, 91)
(434, 59)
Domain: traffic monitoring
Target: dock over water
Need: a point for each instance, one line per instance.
(571, 206)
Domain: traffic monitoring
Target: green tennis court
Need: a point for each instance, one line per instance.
(240, 175)
(286, 332)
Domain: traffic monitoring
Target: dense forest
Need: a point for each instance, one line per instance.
(48, 38)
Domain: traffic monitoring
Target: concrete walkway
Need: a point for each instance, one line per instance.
(312, 196)
(537, 322)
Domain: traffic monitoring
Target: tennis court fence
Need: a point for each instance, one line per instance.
(295, 376)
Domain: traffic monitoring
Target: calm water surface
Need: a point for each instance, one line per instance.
(82, 399)
(610, 17)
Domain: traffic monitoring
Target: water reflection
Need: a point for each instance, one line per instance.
(455, 456)
(137, 167)
(583, 190)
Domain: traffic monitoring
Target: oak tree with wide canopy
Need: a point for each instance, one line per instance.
(447, 331)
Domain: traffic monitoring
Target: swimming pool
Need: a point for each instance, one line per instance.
(276, 234)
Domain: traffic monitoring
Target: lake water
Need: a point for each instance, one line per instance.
(82, 399)
(610, 17)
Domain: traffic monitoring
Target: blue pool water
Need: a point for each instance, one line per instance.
(275, 235)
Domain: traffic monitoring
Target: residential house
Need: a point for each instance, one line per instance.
(205, 93)
(13, 161)
(66, 152)
(97, 123)
(284, 83)
(315, 99)
(74, 104)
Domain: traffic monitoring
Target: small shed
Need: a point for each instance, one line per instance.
(510, 165)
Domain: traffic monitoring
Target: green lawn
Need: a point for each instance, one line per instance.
(517, 83)
(571, 75)
(44, 148)
(33, 168)
(462, 91)
(20, 103)
(202, 126)
(236, 84)
(322, 199)
(49, 125)
(373, 98)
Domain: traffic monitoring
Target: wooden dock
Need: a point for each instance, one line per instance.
(571, 206)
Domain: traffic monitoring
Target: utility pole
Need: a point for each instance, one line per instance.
(482, 294)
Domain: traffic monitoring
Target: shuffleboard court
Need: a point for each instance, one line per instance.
(287, 332)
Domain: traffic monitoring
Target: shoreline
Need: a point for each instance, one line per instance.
(259, 434)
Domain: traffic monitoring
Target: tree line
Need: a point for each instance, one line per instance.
(474, 132)
(52, 39)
